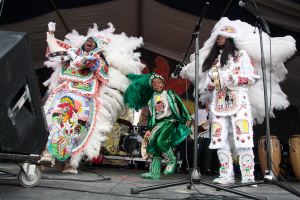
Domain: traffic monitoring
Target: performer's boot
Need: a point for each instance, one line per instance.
(69, 168)
(226, 169)
(247, 165)
(46, 157)
(171, 162)
(154, 169)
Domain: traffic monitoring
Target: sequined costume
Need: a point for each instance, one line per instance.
(240, 102)
(86, 93)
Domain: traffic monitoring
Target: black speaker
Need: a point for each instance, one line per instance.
(23, 128)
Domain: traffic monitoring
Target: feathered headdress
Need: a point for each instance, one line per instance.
(246, 39)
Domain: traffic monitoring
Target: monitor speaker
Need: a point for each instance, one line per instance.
(23, 127)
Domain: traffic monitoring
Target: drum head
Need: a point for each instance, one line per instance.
(132, 144)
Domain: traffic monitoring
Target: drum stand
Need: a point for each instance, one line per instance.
(195, 176)
(269, 177)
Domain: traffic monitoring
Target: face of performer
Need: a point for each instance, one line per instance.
(90, 45)
(221, 41)
(158, 85)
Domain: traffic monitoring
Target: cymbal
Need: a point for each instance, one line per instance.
(124, 122)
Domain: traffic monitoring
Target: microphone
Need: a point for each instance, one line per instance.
(242, 3)
(175, 74)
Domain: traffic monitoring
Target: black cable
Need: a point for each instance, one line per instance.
(105, 193)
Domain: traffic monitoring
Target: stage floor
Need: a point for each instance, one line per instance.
(85, 186)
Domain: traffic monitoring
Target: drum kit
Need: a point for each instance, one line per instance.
(128, 139)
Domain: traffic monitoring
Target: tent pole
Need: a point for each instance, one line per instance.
(59, 15)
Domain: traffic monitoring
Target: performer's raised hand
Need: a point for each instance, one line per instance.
(51, 27)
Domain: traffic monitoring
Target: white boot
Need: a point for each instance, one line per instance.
(69, 168)
(46, 157)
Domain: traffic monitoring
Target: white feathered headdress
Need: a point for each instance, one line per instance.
(246, 38)
(122, 60)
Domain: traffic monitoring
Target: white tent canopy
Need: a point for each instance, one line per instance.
(165, 30)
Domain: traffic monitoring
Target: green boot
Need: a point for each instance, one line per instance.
(171, 162)
(154, 169)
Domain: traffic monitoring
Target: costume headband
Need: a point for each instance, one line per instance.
(154, 76)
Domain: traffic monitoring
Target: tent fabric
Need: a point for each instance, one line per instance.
(166, 26)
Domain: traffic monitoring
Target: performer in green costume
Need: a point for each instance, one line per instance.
(168, 119)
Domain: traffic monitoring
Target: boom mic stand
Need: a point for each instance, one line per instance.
(195, 176)
(269, 176)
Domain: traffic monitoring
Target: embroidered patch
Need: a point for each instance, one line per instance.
(159, 106)
(226, 100)
(247, 161)
(82, 86)
(103, 69)
(228, 29)
(237, 138)
(242, 126)
(219, 139)
(60, 146)
(224, 161)
(237, 70)
(210, 88)
(246, 114)
(243, 81)
(77, 73)
(237, 56)
(216, 129)
(214, 142)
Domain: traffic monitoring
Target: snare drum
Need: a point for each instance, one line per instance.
(132, 144)
(275, 153)
(294, 144)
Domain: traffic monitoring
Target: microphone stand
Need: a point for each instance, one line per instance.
(195, 176)
(269, 174)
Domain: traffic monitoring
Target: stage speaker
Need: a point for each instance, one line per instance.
(23, 128)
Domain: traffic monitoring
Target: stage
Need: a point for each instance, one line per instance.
(88, 185)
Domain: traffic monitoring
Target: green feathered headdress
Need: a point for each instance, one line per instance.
(139, 92)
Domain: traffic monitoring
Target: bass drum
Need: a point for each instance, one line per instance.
(132, 144)
(295, 154)
(275, 153)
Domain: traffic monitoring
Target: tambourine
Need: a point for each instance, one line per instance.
(58, 56)
(216, 78)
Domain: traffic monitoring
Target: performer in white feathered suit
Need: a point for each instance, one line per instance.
(234, 49)
(86, 91)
